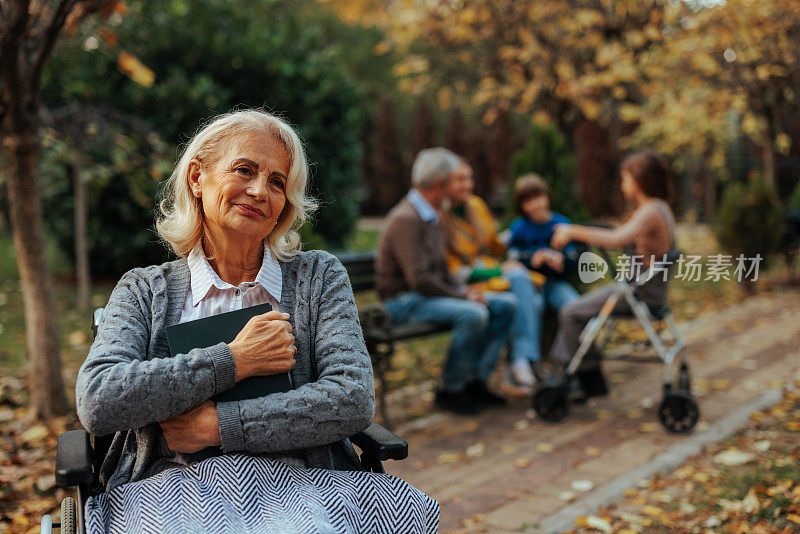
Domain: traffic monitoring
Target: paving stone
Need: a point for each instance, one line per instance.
(504, 496)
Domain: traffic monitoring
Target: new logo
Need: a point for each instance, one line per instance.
(591, 267)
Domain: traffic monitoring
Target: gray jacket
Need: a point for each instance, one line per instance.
(129, 382)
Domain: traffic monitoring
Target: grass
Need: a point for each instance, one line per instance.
(363, 241)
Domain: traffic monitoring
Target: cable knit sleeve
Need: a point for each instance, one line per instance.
(339, 403)
(119, 388)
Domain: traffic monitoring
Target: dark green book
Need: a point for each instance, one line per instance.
(224, 328)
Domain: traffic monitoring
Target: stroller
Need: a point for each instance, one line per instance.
(678, 411)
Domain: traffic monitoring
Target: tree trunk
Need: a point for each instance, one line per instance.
(598, 173)
(81, 247)
(26, 43)
(769, 151)
(769, 163)
(422, 134)
(20, 150)
(388, 177)
(709, 196)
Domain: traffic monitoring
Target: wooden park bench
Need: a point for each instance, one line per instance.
(379, 334)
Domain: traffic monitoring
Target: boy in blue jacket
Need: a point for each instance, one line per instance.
(531, 233)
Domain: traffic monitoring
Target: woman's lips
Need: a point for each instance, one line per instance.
(250, 210)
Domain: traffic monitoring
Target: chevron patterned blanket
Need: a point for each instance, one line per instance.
(238, 493)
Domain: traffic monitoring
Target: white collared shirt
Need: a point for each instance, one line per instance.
(426, 212)
(209, 295)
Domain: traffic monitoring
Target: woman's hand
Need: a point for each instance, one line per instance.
(475, 295)
(511, 265)
(265, 346)
(562, 234)
(194, 430)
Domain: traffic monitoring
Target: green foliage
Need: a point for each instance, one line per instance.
(211, 57)
(794, 200)
(750, 219)
(120, 193)
(547, 154)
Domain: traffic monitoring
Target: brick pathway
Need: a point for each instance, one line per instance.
(505, 471)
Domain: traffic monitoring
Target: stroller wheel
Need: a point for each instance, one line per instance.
(551, 403)
(69, 519)
(678, 412)
(684, 379)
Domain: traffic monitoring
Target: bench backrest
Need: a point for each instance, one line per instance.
(361, 269)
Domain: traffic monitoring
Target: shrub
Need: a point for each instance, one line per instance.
(794, 200)
(212, 58)
(750, 220)
(547, 154)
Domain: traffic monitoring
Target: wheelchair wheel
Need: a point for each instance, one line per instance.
(551, 403)
(684, 379)
(69, 518)
(678, 412)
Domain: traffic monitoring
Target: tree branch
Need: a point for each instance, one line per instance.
(51, 35)
(14, 18)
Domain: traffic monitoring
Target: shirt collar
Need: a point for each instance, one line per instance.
(203, 277)
(426, 212)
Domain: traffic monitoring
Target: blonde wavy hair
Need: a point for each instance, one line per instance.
(180, 218)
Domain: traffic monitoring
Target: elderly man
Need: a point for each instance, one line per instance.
(414, 282)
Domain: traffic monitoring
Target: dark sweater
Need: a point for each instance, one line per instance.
(411, 257)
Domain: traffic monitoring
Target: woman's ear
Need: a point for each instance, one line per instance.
(193, 178)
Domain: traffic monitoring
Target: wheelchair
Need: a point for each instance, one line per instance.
(79, 456)
(678, 411)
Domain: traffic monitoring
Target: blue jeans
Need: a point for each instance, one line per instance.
(526, 331)
(478, 331)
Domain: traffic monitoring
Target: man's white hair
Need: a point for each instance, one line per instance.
(433, 165)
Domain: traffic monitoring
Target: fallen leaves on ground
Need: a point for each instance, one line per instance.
(522, 463)
(449, 458)
(582, 485)
(27, 462)
(476, 451)
(749, 483)
(732, 457)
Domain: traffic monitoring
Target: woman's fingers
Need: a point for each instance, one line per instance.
(273, 315)
(264, 346)
(192, 430)
(560, 236)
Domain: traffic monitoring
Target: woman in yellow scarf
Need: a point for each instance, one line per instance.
(475, 255)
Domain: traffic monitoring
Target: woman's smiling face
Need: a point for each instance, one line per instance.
(244, 192)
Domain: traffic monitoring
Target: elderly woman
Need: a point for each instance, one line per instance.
(231, 210)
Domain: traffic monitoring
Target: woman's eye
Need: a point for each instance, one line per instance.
(244, 170)
(277, 182)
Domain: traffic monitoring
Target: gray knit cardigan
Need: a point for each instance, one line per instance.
(129, 382)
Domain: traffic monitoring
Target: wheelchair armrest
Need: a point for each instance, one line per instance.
(381, 443)
(74, 459)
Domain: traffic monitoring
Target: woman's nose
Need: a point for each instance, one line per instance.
(258, 188)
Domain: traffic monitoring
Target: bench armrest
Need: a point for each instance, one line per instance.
(381, 443)
(74, 459)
